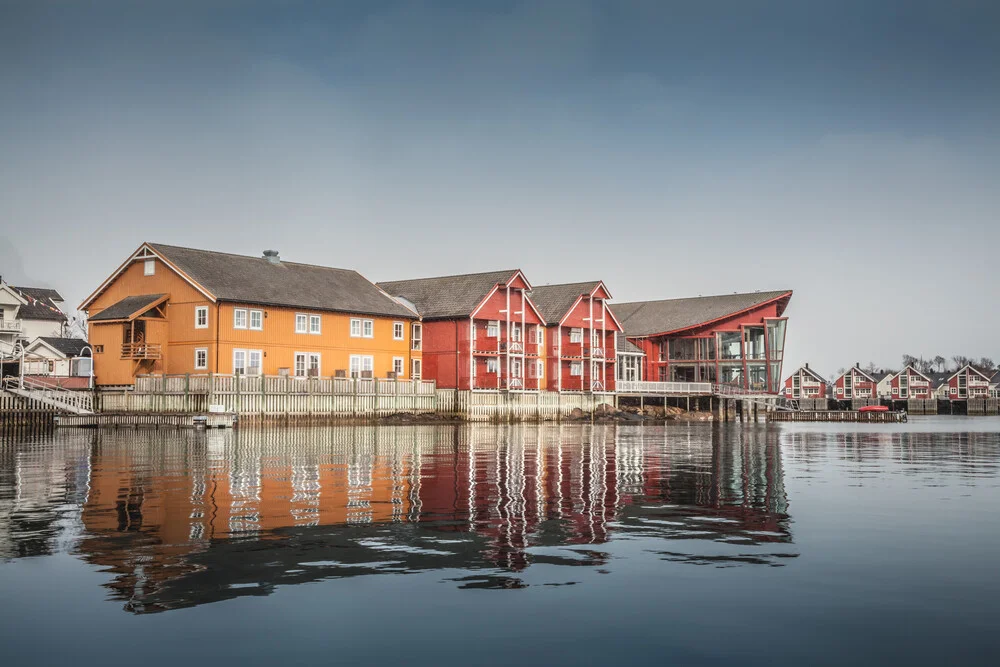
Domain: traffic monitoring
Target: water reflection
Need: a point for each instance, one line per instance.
(184, 518)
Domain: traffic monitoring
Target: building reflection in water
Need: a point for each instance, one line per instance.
(186, 518)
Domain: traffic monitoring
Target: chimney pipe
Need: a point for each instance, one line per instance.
(272, 256)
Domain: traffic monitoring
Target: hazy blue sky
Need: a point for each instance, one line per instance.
(846, 150)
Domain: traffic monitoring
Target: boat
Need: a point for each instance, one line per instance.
(874, 408)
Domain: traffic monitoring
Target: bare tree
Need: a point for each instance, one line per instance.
(940, 362)
(925, 366)
(987, 365)
(909, 360)
(960, 362)
(871, 368)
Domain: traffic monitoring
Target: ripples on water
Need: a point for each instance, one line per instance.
(180, 519)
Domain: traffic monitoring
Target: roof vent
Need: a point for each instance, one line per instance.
(272, 256)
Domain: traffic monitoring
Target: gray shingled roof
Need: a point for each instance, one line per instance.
(40, 304)
(68, 347)
(627, 346)
(554, 301)
(812, 372)
(125, 308)
(646, 318)
(256, 280)
(446, 297)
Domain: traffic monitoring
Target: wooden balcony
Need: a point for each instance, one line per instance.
(142, 351)
(10, 326)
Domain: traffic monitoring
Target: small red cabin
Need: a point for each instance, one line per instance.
(855, 383)
(911, 383)
(968, 382)
(805, 383)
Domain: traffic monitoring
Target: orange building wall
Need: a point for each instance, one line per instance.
(278, 340)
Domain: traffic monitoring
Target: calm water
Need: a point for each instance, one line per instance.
(690, 544)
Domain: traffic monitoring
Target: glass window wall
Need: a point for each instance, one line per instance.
(776, 339)
(731, 374)
(682, 349)
(753, 338)
(730, 345)
(757, 376)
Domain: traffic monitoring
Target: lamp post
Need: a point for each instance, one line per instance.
(90, 380)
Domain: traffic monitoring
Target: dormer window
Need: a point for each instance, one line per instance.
(149, 267)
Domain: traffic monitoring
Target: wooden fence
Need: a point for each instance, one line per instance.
(272, 396)
(23, 415)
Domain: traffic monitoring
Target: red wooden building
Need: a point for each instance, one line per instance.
(581, 333)
(735, 339)
(969, 382)
(805, 383)
(911, 383)
(480, 331)
(855, 383)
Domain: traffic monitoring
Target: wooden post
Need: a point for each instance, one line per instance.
(187, 392)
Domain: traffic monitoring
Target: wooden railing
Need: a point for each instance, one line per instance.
(141, 351)
(10, 325)
(680, 388)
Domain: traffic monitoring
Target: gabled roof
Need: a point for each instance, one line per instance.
(915, 371)
(870, 377)
(129, 308)
(40, 304)
(256, 280)
(972, 368)
(810, 371)
(447, 297)
(648, 318)
(625, 346)
(555, 302)
(67, 347)
(882, 375)
(938, 379)
(43, 293)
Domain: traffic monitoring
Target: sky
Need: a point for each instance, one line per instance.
(847, 150)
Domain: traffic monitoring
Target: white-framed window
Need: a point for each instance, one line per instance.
(201, 358)
(416, 336)
(362, 328)
(540, 336)
(307, 364)
(416, 369)
(576, 368)
(255, 362)
(149, 267)
(954, 391)
(895, 391)
(301, 323)
(397, 331)
(201, 317)
(257, 320)
(515, 333)
(248, 362)
(315, 321)
(493, 328)
(576, 335)
(399, 366)
(361, 363)
(539, 368)
(492, 364)
(240, 318)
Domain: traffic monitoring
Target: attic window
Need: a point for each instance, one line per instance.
(149, 267)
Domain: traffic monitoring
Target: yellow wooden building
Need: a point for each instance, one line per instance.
(176, 310)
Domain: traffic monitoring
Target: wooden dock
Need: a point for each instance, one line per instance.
(837, 416)
(146, 420)
(20, 416)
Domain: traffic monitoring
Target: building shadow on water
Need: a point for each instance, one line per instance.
(180, 519)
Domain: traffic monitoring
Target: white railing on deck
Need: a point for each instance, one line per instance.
(10, 325)
(683, 388)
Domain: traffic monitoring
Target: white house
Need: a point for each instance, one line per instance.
(65, 361)
(27, 313)
(884, 387)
